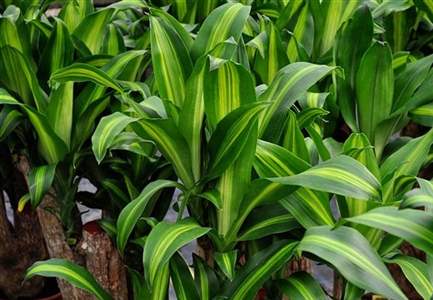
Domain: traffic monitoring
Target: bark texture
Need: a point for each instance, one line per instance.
(21, 244)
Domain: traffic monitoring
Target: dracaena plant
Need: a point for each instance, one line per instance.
(46, 93)
(242, 109)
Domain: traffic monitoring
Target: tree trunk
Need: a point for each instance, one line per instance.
(21, 244)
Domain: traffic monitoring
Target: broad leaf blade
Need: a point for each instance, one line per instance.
(352, 255)
(74, 274)
(164, 240)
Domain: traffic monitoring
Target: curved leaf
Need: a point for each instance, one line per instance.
(352, 255)
(301, 286)
(74, 274)
(413, 225)
(258, 269)
(40, 180)
(129, 215)
(105, 134)
(341, 175)
(164, 240)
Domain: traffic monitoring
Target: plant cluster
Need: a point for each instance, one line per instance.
(275, 129)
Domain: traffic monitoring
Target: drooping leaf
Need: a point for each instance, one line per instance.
(288, 85)
(413, 225)
(71, 272)
(17, 75)
(79, 72)
(164, 240)
(341, 175)
(52, 148)
(416, 272)
(129, 215)
(347, 250)
(108, 129)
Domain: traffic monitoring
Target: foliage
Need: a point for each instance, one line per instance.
(274, 129)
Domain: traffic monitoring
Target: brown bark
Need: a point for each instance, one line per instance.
(103, 261)
(20, 246)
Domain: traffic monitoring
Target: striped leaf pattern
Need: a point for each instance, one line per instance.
(302, 286)
(409, 224)
(352, 255)
(71, 272)
(341, 175)
(40, 180)
(129, 216)
(163, 241)
(108, 129)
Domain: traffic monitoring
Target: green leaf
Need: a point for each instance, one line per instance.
(293, 139)
(328, 16)
(40, 181)
(113, 41)
(105, 134)
(60, 111)
(227, 262)
(409, 158)
(423, 115)
(274, 57)
(58, 52)
(289, 84)
(171, 143)
(53, 149)
(301, 286)
(413, 225)
(272, 160)
(73, 12)
(341, 175)
(267, 220)
(114, 68)
(226, 88)
(181, 277)
(347, 250)
(258, 269)
(164, 240)
(92, 28)
(192, 114)
(222, 23)
(79, 72)
(231, 136)
(410, 82)
(74, 274)
(9, 120)
(352, 41)
(374, 88)
(205, 278)
(170, 59)
(17, 75)
(130, 214)
(416, 272)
